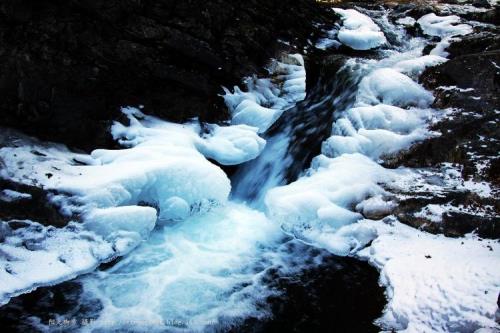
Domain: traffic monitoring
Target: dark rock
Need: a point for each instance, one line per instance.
(339, 295)
(469, 137)
(481, 3)
(38, 208)
(67, 66)
(49, 305)
(477, 82)
(453, 224)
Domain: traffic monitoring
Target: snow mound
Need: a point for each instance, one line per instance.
(377, 130)
(443, 26)
(267, 98)
(388, 86)
(323, 201)
(230, 145)
(358, 31)
(446, 27)
(451, 284)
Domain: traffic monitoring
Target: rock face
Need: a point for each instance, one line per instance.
(67, 66)
(470, 139)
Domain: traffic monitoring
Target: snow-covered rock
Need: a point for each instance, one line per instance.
(267, 98)
(119, 194)
(34, 255)
(358, 31)
(415, 67)
(435, 283)
(389, 86)
(377, 130)
(443, 26)
(324, 200)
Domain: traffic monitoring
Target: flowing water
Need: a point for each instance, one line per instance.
(214, 270)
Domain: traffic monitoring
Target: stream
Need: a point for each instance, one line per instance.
(237, 267)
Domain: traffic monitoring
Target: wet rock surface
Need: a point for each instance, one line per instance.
(341, 294)
(66, 68)
(45, 307)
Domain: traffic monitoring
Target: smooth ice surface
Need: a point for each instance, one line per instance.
(267, 98)
(358, 31)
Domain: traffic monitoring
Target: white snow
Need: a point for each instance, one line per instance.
(433, 212)
(34, 255)
(446, 27)
(11, 195)
(358, 31)
(267, 98)
(388, 86)
(205, 255)
(407, 21)
(230, 145)
(324, 200)
(443, 26)
(415, 67)
(377, 130)
(435, 283)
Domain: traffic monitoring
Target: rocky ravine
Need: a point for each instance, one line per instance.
(144, 60)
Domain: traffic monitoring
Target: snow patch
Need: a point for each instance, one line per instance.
(33, 255)
(435, 282)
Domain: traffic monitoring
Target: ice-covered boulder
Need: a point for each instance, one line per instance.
(376, 130)
(322, 202)
(443, 26)
(358, 31)
(389, 86)
(267, 98)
